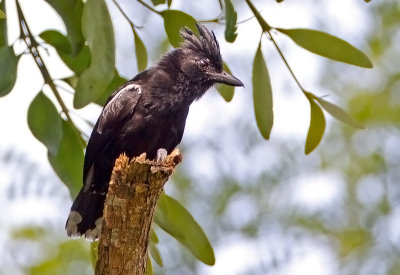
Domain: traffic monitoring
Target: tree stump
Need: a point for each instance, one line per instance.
(132, 196)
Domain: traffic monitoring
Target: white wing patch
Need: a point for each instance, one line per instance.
(72, 224)
(74, 219)
(89, 179)
(116, 105)
(94, 233)
(124, 90)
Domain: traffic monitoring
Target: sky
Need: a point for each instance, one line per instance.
(343, 18)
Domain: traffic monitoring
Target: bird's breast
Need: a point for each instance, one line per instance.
(146, 133)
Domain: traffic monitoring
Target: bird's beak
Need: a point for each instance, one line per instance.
(225, 78)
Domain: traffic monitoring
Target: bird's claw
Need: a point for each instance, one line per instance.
(161, 155)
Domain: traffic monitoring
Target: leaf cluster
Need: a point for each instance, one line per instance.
(319, 43)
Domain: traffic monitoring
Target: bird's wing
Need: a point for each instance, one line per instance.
(118, 107)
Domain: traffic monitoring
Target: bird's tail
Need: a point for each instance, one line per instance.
(86, 215)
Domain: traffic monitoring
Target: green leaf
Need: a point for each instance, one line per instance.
(2, 15)
(149, 267)
(71, 80)
(28, 233)
(153, 236)
(71, 13)
(116, 82)
(77, 63)
(339, 113)
(68, 162)
(264, 25)
(155, 254)
(94, 253)
(179, 223)
(226, 91)
(317, 126)
(262, 95)
(163, 215)
(231, 20)
(58, 257)
(174, 21)
(351, 239)
(327, 45)
(98, 31)
(8, 69)
(45, 122)
(3, 27)
(57, 40)
(158, 2)
(141, 53)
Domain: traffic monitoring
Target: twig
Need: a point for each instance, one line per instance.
(125, 15)
(215, 20)
(88, 122)
(267, 28)
(285, 61)
(150, 8)
(65, 89)
(244, 20)
(32, 45)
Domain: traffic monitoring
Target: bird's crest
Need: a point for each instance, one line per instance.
(205, 43)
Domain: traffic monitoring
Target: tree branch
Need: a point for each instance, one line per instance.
(267, 28)
(148, 6)
(133, 26)
(286, 63)
(132, 196)
(31, 43)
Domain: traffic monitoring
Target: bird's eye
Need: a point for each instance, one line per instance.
(203, 64)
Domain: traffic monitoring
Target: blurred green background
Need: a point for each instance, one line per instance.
(265, 206)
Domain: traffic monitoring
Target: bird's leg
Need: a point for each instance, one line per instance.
(161, 155)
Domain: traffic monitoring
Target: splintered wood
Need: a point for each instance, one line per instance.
(132, 196)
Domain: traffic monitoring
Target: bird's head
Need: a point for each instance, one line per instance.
(200, 59)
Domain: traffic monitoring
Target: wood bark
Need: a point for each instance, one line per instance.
(132, 196)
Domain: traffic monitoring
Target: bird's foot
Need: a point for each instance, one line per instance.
(161, 155)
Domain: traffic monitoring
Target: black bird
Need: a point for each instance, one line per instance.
(144, 115)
